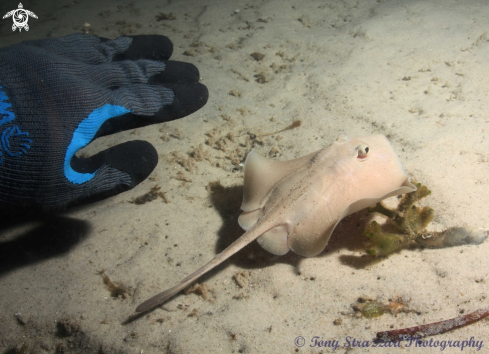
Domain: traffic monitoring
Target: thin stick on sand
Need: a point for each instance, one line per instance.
(432, 328)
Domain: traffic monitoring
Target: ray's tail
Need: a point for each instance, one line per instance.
(244, 240)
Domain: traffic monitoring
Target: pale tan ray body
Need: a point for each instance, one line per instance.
(297, 204)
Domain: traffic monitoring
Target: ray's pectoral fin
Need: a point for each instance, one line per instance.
(260, 174)
(275, 240)
(406, 187)
(309, 244)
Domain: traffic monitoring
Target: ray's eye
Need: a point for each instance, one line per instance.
(362, 151)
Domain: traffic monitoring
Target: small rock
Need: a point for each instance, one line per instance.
(338, 322)
(21, 319)
(257, 56)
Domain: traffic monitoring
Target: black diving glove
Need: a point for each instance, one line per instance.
(58, 95)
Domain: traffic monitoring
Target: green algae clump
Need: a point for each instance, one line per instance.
(406, 226)
(372, 309)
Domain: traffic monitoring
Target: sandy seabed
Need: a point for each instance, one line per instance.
(415, 71)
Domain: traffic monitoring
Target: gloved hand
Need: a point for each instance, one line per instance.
(57, 95)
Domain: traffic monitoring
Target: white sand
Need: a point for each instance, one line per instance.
(339, 67)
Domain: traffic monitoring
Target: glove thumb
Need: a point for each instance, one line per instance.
(117, 169)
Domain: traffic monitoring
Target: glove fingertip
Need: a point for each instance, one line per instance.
(138, 158)
(151, 47)
(188, 99)
(132, 161)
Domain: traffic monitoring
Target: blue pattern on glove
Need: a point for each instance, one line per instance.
(20, 141)
(84, 134)
(12, 140)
